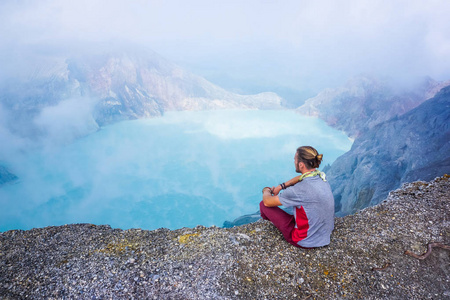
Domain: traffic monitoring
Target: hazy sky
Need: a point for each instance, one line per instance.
(252, 44)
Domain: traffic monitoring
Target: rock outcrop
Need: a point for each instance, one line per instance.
(6, 176)
(365, 259)
(366, 101)
(414, 146)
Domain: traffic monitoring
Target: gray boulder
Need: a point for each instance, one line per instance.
(242, 220)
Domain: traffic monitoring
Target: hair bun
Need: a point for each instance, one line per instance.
(319, 157)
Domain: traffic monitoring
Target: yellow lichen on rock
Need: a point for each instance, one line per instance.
(119, 247)
(183, 239)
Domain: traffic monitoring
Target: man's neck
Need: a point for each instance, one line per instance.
(306, 171)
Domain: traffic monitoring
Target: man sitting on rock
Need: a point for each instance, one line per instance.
(311, 197)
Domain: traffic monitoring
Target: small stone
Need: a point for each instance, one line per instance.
(131, 261)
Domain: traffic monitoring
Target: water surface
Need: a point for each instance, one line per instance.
(181, 170)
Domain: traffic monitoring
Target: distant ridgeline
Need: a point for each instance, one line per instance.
(365, 101)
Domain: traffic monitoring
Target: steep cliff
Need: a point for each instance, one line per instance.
(414, 146)
(365, 259)
(366, 101)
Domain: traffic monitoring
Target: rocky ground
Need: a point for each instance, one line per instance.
(365, 259)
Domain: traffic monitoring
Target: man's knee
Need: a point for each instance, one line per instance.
(261, 205)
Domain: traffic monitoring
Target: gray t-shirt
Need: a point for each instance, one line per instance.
(313, 204)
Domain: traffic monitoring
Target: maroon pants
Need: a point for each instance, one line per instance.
(281, 219)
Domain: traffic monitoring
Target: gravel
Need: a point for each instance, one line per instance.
(85, 261)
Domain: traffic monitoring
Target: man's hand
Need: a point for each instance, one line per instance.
(267, 189)
(276, 190)
(269, 199)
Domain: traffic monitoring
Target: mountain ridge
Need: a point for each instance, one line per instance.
(127, 84)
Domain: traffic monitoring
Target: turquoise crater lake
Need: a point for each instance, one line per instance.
(181, 170)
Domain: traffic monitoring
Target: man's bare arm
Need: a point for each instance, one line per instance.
(288, 183)
(269, 200)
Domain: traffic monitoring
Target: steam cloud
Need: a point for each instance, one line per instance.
(269, 44)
